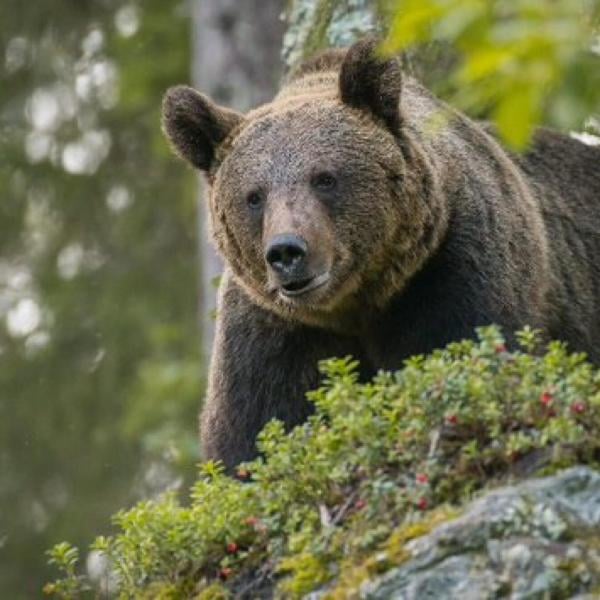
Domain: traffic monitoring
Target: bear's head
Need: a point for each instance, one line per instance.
(320, 202)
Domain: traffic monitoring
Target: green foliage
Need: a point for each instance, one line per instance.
(65, 557)
(378, 464)
(521, 62)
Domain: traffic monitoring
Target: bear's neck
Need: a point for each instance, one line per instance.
(324, 83)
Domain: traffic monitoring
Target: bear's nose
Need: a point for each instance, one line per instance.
(286, 252)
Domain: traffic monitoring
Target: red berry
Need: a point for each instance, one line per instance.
(578, 407)
(232, 548)
(546, 398)
(452, 419)
(360, 504)
(500, 348)
(225, 573)
(422, 504)
(422, 478)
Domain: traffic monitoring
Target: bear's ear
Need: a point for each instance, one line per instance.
(195, 125)
(368, 81)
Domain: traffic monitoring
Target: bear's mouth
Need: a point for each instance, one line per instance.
(298, 287)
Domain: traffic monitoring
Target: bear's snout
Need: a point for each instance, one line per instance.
(286, 254)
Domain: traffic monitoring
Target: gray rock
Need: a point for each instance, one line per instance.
(538, 539)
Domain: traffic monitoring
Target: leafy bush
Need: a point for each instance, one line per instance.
(379, 463)
(521, 62)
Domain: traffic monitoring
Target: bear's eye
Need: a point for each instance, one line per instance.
(254, 200)
(323, 181)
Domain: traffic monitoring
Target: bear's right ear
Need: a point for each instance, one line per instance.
(195, 125)
(370, 82)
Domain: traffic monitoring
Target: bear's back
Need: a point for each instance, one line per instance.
(564, 175)
(559, 164)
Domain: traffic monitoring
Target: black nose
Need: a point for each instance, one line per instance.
(286, 252)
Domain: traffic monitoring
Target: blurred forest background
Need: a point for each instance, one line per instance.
(106, 277)
(101, 370)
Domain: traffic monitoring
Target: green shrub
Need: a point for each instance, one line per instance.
(379, 463)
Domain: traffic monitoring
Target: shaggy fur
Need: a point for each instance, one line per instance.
(428, 230)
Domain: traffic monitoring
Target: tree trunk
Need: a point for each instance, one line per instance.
(317, 24)
(237, 63)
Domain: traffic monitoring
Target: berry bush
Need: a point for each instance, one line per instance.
(334, 501)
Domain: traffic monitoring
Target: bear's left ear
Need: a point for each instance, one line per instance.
(195, 125)
(368, 81)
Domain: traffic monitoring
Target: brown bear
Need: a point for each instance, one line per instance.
(352, 225)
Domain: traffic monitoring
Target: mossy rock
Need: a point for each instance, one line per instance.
(539, 539)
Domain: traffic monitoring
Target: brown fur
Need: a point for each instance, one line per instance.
(427, 232)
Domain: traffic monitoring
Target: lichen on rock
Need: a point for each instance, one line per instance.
(538, 539)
